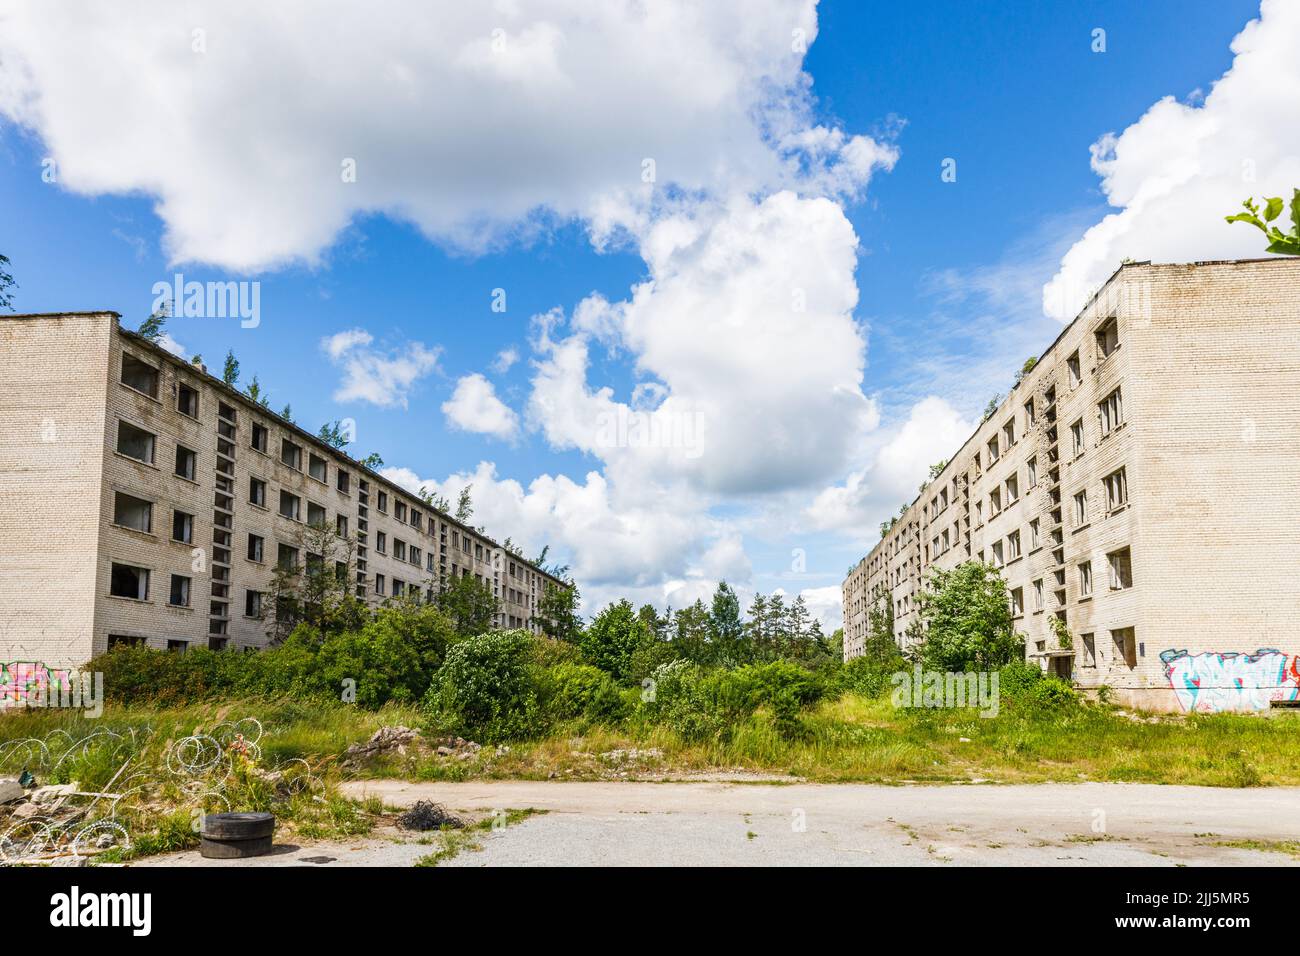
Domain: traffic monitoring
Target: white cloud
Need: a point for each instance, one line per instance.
(474, 407)
(340, 342)
(826, 605)
(466, 119)
(616, 546)
(933, 431)
(746, 328)
(171, 345)
(1175, 173)
(382, 378)
(505, 360)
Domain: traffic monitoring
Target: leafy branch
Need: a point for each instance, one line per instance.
(1282, 243)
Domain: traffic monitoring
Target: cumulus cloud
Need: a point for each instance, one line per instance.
(474, 407)
(745, 326)
(826, 605)
(380, 377)
(505, 360)
(932, 431)
(615, 545)
(171, 345)
(466, 119)
(1175, 173)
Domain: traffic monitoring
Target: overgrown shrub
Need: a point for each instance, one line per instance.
(138, 675)
(870, 678)
(1025, 687)
(570, 691)
(487, 688)
(392, 657)
(548, 651)
(784, 687)
(704, 704)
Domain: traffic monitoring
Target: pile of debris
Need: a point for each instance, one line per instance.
(426, 815)
(385, 741)
(401, 741)
(632, 755)
(457, 747)
(53, 824)
(24, 800)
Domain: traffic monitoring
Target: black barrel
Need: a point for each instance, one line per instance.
(234, 836)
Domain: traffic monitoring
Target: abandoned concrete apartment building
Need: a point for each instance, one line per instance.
(145, 501)
(1141, 484)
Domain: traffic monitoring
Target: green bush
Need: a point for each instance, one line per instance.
(570, 691)
(548, 651)
(487, 688)
(393, 657)
(1024, 686)
(701, 704)
(783, 687)
(868, 677)
(678, 699)
(138, 675)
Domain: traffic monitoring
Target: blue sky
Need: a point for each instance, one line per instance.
(943, 287)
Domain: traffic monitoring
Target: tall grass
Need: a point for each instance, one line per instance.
(153, 800)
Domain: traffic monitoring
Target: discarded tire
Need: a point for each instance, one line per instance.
(234, 836)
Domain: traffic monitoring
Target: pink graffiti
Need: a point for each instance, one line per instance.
(21, 681)
(1213, 682)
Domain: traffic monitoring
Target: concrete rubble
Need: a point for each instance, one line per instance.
(404, 741)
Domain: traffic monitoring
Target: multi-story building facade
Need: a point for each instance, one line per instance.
(142, 500)
(1142, 485)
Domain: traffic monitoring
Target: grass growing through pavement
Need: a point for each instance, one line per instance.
(1289, 847)
(455, 842)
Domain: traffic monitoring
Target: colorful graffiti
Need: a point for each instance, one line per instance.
(1213, 681)
(21, 681)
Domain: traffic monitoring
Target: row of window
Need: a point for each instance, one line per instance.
(1119, 564)
(131, 581)
(1110, 411)
(141, 445)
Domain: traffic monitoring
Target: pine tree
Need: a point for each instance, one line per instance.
(230, 374)
(465, 505)
(152, 327)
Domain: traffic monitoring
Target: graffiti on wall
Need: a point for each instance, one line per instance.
(1214, 681)
(23, 681)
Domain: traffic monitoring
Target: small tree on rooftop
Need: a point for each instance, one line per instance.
(152, 327)
(991, 407)
(230, 373)
(1025, 369)
(255, 391)
(334, 435)
(465, 504)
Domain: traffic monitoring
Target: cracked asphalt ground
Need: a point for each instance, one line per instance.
(728, 824)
